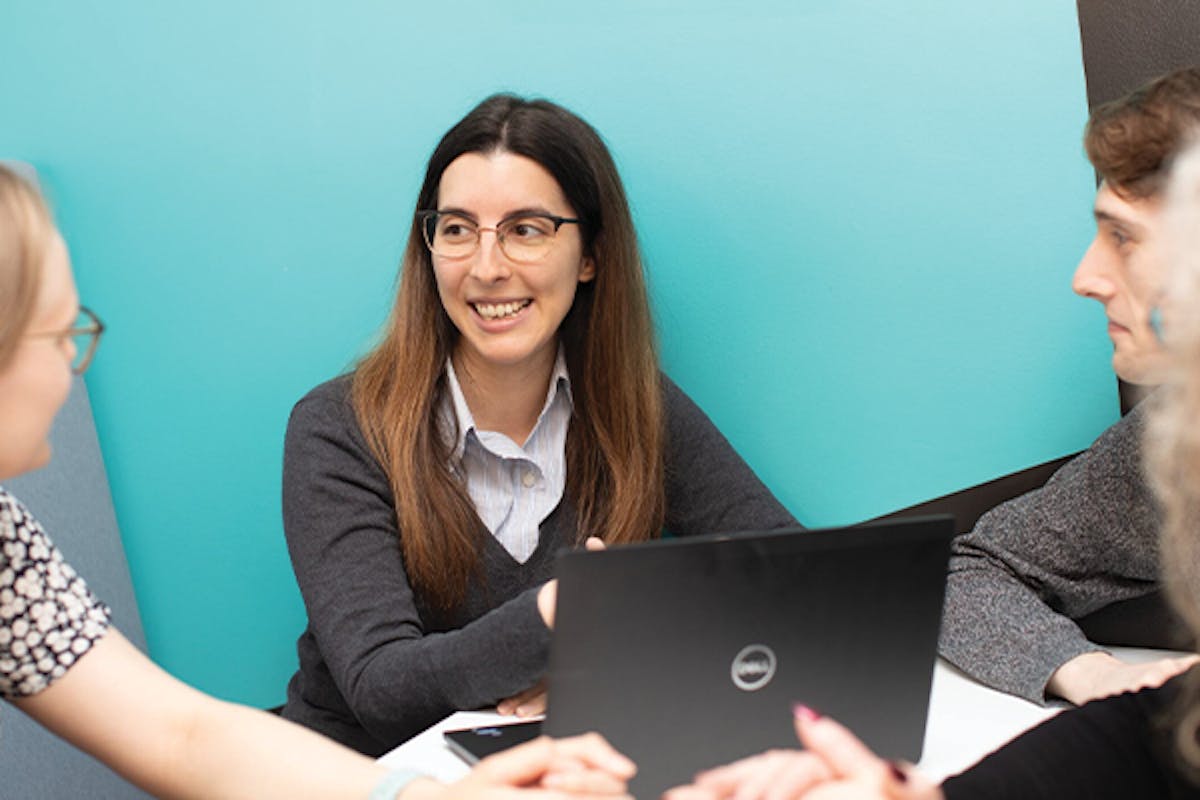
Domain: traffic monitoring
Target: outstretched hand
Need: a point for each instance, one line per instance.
(835, 766)
(1094, 675)
(544, 769)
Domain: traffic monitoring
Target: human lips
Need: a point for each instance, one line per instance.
(1116, 327)
(499, 309)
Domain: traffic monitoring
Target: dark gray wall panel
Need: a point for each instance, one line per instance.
(1128, 42)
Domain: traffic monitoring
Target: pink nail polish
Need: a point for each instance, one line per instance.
(801, 711)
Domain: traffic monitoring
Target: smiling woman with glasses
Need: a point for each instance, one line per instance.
(514, 407)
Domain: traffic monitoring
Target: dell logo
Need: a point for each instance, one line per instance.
(753, 667)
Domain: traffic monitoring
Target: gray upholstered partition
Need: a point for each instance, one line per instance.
(71, 499)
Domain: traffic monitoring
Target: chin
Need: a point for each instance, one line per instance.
(12, 467)
(1142, 376)
(509, 356)
(1147, 366)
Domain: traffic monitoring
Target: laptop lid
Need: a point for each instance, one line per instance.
(690, 653)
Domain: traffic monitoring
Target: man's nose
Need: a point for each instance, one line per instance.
(1093, 276)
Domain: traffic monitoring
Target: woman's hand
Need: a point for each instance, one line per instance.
(528, 703)
(544, 769)
(532, 701)
(548, 595)
(836, 765)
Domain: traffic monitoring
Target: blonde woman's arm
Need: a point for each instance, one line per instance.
(176, 742)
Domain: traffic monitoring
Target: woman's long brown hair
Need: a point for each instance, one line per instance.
(615, 441)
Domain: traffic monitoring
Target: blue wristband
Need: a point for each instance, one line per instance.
(391, 784)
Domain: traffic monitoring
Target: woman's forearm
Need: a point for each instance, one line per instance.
(176, 742)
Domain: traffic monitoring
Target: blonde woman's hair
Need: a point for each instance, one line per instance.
(25, 230)
(1173, 430)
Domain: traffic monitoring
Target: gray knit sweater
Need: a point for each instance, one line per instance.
(377, 665)
(1033, 565)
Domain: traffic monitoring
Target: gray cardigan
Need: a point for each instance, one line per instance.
(377, 665)
(1035, 564)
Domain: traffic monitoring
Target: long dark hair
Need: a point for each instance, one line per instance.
(616, 435)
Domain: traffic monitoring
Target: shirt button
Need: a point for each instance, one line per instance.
(528, 479)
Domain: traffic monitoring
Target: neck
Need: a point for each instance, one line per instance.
(505, 399)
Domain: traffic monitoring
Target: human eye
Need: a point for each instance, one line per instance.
(455, 229)
(529, 229)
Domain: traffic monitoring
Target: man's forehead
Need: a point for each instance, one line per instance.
(1113, 207)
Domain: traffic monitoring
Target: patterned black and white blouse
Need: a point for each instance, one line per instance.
(48, 616)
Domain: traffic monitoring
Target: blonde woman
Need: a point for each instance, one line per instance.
(62, 662)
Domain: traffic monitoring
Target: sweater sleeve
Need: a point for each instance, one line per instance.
(1033, 565)
(1119, 747)
(395, 675)
(709, 488)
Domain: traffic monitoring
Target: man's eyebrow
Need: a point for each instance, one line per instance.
(1114, 219)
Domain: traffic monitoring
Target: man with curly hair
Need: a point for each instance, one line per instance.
(1020, 581)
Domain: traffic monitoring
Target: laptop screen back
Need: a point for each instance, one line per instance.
(690, 653)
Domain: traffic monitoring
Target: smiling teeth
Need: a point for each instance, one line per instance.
(499, 310)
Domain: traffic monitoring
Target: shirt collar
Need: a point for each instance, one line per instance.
(560, 380)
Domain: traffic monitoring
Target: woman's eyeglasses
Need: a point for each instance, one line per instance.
(525, 239)
(85, 333)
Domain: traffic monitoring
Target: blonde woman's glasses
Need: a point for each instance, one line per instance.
(85, 333)
(526, 238)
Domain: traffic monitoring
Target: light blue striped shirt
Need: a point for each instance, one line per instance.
(514, 487)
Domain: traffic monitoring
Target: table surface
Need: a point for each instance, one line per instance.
(966, 722)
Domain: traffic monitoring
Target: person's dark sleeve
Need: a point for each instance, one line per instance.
(1033, 565)
(344, 545)
(709, 488)
(1119, 747)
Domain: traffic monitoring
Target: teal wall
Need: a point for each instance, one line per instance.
(860, 222)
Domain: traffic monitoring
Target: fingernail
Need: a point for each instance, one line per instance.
(801, 711)
(897, 772)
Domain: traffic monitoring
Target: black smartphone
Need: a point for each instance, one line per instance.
(472, 744)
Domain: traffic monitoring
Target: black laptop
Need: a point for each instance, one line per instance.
(689, 653)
